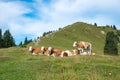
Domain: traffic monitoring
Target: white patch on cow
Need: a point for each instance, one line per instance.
(30, 48)
(33, 53)
(74, 52)
(49, 48)
(85, 46)
(69, 53)
(53, 55)
(42, 49)
(62, 54)
(84, 53)
(75, 44)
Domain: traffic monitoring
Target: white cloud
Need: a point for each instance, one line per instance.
(55, 14)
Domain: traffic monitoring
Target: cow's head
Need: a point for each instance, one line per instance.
(42, 49)
(30, 49)
(48, 51)
(75, 44)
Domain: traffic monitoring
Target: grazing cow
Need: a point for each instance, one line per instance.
(35, 51)
(81, 45)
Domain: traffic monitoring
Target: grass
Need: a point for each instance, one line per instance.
(19, 64)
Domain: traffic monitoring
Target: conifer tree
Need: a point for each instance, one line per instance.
(0, 38)
(114, 27)
(8, 39)
(95, 24)
(25, 41)
(111, 44)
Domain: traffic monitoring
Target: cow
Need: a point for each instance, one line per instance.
(81, 46)
(74, 52)
(54, 52)
(69, 52)
(37, 50)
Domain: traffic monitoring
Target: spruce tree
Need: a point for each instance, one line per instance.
(110, 47)
(95, 24)
(8, 39)
(25, 41)
(0, 38)
(114, 27)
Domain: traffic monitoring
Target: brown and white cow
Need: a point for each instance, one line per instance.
(81, 46)
(74, 52)
(69, 52)
(54, 52)
(37, 50)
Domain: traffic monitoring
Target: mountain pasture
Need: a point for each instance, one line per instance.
(19, 64)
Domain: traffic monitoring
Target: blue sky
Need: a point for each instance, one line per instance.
(30, 18)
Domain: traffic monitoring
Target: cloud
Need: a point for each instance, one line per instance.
(31, 19)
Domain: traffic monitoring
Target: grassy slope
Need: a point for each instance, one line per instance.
(63, 39)
(19, 64)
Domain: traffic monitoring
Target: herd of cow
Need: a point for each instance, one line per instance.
(82, 48)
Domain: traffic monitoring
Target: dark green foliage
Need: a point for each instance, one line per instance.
(111, 44)
(114, 27)
(95, 24)
(8, 39)
(107, 26)
(45, 33)
(26, 41)
(0, 38)
(118, 34)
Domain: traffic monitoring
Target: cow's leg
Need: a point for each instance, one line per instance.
(80, 51)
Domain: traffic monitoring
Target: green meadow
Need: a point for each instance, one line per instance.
(19, 64)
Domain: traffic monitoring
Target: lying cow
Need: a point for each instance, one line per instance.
(83, 46)
(35, 51)
(74, 52)
(69, 53)
(55, 52)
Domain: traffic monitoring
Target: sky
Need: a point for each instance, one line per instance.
(31, 18)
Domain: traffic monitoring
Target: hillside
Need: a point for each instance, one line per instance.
(79, 31)
(17, 63)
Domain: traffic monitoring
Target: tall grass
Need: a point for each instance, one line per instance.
(19, 64)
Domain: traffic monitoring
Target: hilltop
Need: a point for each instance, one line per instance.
(79, 31)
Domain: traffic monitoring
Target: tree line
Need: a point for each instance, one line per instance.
(6, 40)
(26, 41)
